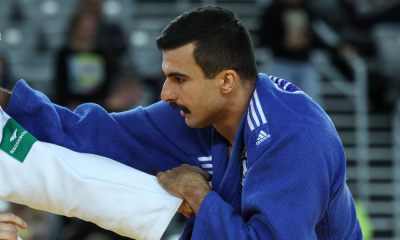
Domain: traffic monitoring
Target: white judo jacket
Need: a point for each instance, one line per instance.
(48, 177)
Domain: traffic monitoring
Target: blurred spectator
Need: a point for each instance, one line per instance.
(287, 29)
(379, 22)
(110, 38)
(365, 13)
(386, 37)
(5, 78)
(125, 96)
(83, 73)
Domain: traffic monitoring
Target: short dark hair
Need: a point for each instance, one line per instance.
(221, 40)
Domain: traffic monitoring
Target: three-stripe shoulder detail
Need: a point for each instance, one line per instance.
(255, 113)
(284, 85)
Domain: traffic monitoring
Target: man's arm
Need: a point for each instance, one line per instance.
(93, 188)
(55, 179)
(138, 138)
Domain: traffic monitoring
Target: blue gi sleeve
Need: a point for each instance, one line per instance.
(143, 138)
(285, 195)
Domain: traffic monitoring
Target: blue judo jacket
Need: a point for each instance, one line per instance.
(291, 186)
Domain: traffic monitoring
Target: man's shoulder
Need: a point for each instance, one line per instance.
(279, 111)
(285, 104)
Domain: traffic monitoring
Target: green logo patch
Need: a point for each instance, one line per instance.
(16, 141)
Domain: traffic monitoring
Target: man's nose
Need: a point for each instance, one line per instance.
(167, 94)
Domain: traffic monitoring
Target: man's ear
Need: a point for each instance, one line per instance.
(229, 80)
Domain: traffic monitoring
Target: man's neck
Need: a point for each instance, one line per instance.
(237, 103)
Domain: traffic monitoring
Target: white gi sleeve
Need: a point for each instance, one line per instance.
(93, 188)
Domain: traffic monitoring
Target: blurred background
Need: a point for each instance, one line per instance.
(345, 54)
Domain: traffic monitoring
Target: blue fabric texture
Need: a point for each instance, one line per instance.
(294, 187)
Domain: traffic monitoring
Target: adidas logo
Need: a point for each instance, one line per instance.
(13, 136)
(262, 137)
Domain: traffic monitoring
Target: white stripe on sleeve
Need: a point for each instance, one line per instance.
(202, 159)
(206, 165)
(249, 121)
(286, 85)
(253, 113)
(260, 111)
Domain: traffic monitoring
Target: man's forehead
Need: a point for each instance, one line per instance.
(171, 68)
(179, 60)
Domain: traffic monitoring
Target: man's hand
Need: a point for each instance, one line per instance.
(8, 223)
(186, 182)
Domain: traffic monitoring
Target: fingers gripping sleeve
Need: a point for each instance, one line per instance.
(93, 188)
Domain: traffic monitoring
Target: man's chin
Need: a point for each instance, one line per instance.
(194, 124)
(189, 123)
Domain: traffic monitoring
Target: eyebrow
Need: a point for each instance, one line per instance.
(177, 74)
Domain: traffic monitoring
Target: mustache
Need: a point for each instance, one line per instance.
(183, 108)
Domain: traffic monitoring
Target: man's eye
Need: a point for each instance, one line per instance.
(180, 80)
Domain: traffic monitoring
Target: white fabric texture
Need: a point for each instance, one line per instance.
(90, 187)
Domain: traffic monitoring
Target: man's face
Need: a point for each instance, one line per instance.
(199, 99)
